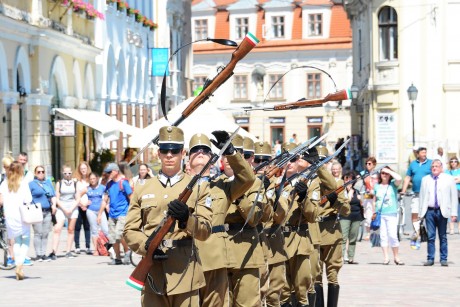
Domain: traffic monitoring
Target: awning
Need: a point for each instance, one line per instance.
(108, 126)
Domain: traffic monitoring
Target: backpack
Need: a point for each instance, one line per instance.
(101, 242)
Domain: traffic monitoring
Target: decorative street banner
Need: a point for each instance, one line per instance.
(160, 58)
(386, 137)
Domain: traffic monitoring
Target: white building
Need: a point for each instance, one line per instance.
(297, 34)
(396, 44)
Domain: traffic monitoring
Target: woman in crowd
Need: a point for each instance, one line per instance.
(144, 173)
(386, 201)
(81, 174)
(68, 200)
(350, 224)
(454, 170)
(368, 199)
(6, 162)
(94, 202)
(14, 192)
(43, 193)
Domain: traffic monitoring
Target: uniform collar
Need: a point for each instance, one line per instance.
(171, 180)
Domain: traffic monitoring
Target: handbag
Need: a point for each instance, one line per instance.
(375, 239)
(423, 232)
(375, 223)
(31, 213)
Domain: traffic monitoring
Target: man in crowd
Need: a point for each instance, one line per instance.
(438, 202)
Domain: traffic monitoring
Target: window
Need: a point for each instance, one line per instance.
(315, 24)
(201, 29)
(388, 34)
(277, 91)
(278, 26)
(313, 86)
(242, 27)
(277, 134)
(240, 87)
(198, 82)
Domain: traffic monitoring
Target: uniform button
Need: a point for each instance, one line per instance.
(166, 196)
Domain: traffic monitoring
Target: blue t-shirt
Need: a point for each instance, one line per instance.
(119, 201)
(95, 196)
(386, 196)
(39, 189)
(454, 173)
(417, 171)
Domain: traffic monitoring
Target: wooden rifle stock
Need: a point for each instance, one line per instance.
(308, 103)
(243, 49)
(139, 275)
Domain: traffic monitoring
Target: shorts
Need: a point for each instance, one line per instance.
(60, 216)
(414, 205)
(116, 226)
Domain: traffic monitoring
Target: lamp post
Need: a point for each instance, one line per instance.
(354, 92)
(412, 92)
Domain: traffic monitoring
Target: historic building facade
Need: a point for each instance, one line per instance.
(397, 44)
(295, 36)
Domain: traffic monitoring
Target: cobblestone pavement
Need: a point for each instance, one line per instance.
(89, 281)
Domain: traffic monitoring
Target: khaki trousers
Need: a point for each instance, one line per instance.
(264, 281)
(298, 279)
(244, 285)
(331, 257)
(215, 293)
(315, 264)
(191, 299)
(277, 280)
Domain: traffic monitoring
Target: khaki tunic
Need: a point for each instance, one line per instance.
(215, 252)
(148, 204)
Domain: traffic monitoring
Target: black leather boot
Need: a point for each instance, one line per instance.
(319, 295)
(286, 305)
(311, 299)
(332, 295)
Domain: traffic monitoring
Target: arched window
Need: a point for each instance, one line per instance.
(388, 34)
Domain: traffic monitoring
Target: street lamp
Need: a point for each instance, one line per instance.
(412, 92)
(354, 92)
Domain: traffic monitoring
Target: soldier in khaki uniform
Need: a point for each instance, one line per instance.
(272, 231)
(244, 276)
(331, 233)
(300, 210)
(265, 216)
(215, 256)
(176, 273)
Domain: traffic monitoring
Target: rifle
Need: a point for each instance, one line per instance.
(324, 198)
(249, 42)
(139, 275)
(305, 103)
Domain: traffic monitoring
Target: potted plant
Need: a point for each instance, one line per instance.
(121, 5)
(130, 11)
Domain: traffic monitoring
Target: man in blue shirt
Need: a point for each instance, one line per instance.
(417, 170)
(119, 192)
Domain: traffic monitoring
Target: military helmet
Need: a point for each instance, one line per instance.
(199, 139)
(289, 146)
(171, 138)
(238, 141)
(322, 151)
(248, 145)
(262, 149)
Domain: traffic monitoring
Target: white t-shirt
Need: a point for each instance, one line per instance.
(11, 203)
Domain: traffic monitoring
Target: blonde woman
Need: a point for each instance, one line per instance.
(68, 200)
(14, 192)
(82, 176)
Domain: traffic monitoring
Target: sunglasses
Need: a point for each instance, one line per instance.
(453, 161)
(40, 172)
(173, 151)
(248, 155)
(198, 149)
(369, 163)
(259, 160)
(294, 159)
(67, 173)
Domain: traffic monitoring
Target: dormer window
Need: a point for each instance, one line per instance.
(241, 27)
(278, 26)
(201, 29)
(315, 24)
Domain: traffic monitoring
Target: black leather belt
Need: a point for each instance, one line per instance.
(238, 226)
(259, 228)
(220, 228)
(433, 208)
(328, 218)
(289, 228)
(169, 243)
